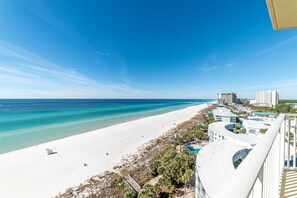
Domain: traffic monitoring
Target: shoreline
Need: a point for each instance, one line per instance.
(124, 118)
(30, 172)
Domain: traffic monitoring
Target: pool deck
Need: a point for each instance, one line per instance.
(195, 146)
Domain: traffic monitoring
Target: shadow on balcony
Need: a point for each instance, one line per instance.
(289, 184)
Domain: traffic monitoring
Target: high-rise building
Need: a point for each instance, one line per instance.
(267, 98)
(227, 98)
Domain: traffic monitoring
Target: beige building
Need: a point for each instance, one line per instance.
(227, 98)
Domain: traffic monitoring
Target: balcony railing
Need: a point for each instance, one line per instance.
(260, 174)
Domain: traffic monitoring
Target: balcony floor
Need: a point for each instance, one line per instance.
(289, 184)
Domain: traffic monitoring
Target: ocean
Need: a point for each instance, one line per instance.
(28, 122)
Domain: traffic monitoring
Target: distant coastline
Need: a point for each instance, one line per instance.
(28, 122)
(100, 149)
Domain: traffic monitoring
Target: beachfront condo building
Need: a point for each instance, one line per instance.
(227, 98)
(224, 114)
(249, 165)
(267, 98)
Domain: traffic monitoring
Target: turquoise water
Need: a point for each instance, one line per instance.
(256, 119)
(29, 122)
(194, 150)
(264, 113)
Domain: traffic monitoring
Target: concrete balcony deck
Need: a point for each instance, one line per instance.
(289, 184)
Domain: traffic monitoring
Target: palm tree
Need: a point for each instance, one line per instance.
(187, 177)
(130, 194)
(161, 170)
(147, 192)
(166, 182)
(238, 125)
(154, 167)
(158, 188)
(180, 141)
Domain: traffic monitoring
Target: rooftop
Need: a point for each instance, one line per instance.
(215, 164)
(222, 111)
(257, 124)
(244, 139)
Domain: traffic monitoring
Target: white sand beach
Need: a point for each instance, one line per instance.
(30, 172)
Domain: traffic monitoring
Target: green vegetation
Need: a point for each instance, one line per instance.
(284, 108)
(263, 131)
(147, 192)
(175, 169)
(261, 109)
(287, 101)
(238, 128)
(279, 108)
(195, 133)
(243, 131)
(186, 178)
(130, 194)
(238, 125)
(208, 119)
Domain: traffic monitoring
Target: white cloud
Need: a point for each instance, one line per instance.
(230, 65)
(102, 53)
(27, 75)
(253, 86)
(208, 69)
(287, 88)
(23, 74)
(275, 46)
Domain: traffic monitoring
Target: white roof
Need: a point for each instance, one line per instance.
(256, 124)
(223, 112)
(214, 163)
(245, 139)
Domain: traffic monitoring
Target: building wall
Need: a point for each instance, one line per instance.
(269, 98)
(275, 98)
(243, 101)
(225, 118)
(227, 98)
(229, 119)
(251, 129)
(214, 137)
(199, 189)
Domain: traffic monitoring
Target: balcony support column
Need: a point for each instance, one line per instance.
(258, 187)
(289, 142)
(284, 142)
(294, 144)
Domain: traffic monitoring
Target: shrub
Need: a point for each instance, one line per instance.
(130, 194)
(242, 131)
(147, 192)
(263, 131)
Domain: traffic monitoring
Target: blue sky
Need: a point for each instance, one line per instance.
(143, 49)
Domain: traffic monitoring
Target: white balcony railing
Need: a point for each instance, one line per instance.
(260, 173)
